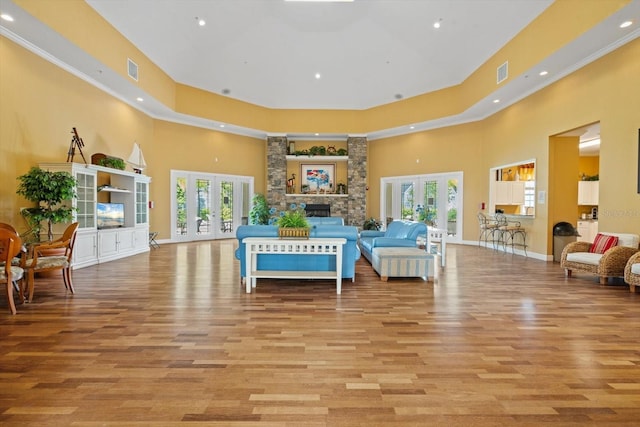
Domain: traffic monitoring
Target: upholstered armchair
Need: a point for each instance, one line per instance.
(606, 257)
(632, 272)
(36, 261)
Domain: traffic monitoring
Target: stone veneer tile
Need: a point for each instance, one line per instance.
(352, 207)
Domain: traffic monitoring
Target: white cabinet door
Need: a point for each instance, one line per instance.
(107, 243)
(509, 192)
(503, 193)
(85, 251)
(587, 231)
(141, 239)
(517, 193)
(126, 240)
(588, 193)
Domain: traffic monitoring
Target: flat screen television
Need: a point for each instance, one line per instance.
(110, 215)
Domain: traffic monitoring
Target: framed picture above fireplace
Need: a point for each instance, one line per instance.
(319, 178)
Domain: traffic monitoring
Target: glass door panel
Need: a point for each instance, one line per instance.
(86, 200)
(181, 213)
(437, 201)
(428, 210)
(208, 206)
(205, 214)
(226, 204)
(407, 200)
(452, 207)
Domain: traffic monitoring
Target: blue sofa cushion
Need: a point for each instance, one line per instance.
(397, 234)
(325, 220)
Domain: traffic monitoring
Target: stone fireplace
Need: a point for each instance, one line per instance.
(351, 206)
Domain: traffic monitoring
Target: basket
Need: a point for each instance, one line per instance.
(293, 233)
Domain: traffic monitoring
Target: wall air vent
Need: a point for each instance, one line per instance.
(503, 72)
(132, 69)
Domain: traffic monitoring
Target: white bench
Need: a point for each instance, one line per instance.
(403, 262)
(273, 245)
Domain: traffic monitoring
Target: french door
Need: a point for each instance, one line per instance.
(208, 206)
(435, 199)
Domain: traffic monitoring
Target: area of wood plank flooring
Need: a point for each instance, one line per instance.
(170, 337)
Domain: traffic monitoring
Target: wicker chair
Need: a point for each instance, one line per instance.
(576, 256)
(632, 272)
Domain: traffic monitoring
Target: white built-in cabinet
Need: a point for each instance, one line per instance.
(588, 193)
(98, 183)
(587, 230)
(509, 192)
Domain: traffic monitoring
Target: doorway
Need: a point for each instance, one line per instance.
(434, 198)
(208, 206)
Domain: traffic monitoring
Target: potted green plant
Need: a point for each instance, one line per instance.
(293, 222)
(113, 162)
(371, 224)
(259, 213)
(49, 190)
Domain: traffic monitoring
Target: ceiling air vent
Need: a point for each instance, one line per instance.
(503, 72)
(132, 69)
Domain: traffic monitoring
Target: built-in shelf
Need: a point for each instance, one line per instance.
(316, 195)
(110, 189)
(303, 158)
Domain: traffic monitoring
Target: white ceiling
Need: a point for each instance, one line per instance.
(267, 51)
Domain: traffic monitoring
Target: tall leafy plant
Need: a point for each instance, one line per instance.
(259, 213)
(49, 190)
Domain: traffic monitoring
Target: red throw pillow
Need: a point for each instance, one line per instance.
(602, 243)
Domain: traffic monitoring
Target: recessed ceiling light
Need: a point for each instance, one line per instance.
(626, 24)
(7, 17)
(438, 23)
(316, 134)
(221, 125)
(139, 99)
(317, 75)
(412, 127)
(321, 1)
(544, 73)
(398, 96)
(495, 101)
(201, 22)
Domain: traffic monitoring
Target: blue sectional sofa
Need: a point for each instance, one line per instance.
(350, 251)
(397, 234)
(325, 220)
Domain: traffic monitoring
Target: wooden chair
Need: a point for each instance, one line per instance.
(16, 259)
(36, 262)
(10, 244)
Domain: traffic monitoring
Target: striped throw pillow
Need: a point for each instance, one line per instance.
(602, 243)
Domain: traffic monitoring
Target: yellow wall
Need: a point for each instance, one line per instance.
(563, 182)
(605, 91)
(41, 103)
(185, 148)
(589, 165)
(80, 24)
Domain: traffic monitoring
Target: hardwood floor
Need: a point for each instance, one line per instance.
(170, 337)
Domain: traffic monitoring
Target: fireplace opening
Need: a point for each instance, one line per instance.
(318, 210)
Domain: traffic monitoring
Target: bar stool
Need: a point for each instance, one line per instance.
(511, 233)
(487, 229)
(152, 240)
